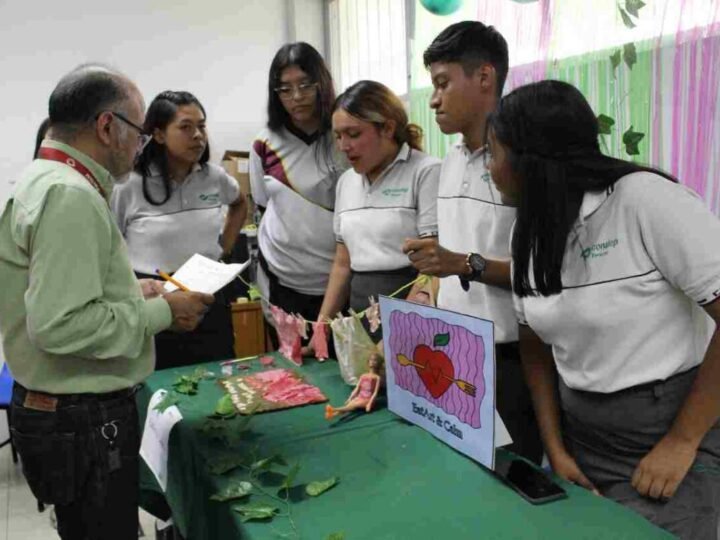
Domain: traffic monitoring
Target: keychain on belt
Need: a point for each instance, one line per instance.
(109, 431)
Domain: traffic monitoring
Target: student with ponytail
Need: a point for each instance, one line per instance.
(390, 194)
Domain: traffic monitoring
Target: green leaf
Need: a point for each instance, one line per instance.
(615, 59)
(441, 340)
(186, 385)
(201, 373)
(633, 6)
(627, 21)
(318, 488)
(266, 463)
(290, 478)
(254, 292)
(234, 491)
(224, 464)
(630, 54)
(250, 512)
(631, 139)
(169, 400)
(632, 149)
(225, 407)
(605, 123)
(336, 536)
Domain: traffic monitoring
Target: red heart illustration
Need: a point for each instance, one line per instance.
(437, 372)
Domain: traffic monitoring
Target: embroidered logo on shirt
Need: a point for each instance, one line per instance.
(486, 177)
(394, 192)
(210, 198)
(600, 249)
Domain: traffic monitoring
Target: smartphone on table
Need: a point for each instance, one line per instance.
(534, 485)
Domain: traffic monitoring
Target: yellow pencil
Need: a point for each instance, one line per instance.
(168, 277)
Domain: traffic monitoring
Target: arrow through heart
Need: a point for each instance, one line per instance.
(434, 369)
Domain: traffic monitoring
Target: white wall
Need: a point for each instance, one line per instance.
(218, 49)
(305, 23)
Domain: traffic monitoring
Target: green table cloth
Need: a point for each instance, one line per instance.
(396, 481)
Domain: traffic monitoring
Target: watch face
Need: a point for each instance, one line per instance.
(477, 263)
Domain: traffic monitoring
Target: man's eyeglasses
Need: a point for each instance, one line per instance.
(287, 91)
(143, 137)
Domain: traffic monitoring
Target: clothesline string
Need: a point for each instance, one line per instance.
(418, 279)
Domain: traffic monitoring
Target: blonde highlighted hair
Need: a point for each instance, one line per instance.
(374, 102)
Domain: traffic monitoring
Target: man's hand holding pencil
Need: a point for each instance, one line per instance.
(187, 307)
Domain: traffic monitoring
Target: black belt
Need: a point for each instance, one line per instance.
(66, 399)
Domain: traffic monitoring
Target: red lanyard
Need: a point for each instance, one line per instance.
(52, 154)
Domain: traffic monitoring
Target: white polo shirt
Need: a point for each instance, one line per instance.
(191, 221)
(472, 218)
(289, 177)
(373, 220)
(640, 261)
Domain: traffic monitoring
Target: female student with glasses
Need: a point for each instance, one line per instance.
(173, 206)
(293, 174)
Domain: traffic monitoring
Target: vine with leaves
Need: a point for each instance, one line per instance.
(255, 495)
(627, 54)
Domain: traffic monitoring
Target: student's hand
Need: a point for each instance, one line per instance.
(565, 466)
(659, 473)
(430, 258)
(420, 297)
(188, 309)
(151, 288)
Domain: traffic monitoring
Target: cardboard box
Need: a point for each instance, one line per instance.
(236, 164)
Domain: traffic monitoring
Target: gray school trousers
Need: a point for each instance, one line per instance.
(608, 435)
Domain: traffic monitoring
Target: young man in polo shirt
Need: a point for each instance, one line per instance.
(468, 63)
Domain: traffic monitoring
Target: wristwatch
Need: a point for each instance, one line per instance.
(476, 263)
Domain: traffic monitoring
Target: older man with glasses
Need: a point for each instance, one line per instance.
(77, 332)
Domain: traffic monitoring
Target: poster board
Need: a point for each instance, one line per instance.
(440, 369)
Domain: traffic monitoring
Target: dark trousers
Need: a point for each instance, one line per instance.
(513, 402)
(69, 460)
(212, 340)
(608, 435)
(363, 285)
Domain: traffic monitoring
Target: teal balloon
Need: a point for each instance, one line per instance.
(441, 7)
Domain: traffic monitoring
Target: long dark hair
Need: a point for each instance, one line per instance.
(308, 59)
(551, 136)
(374, 102)
(161, 112)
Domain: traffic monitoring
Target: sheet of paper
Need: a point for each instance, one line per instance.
(502, 436)
(154, 444)
(201, 274)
